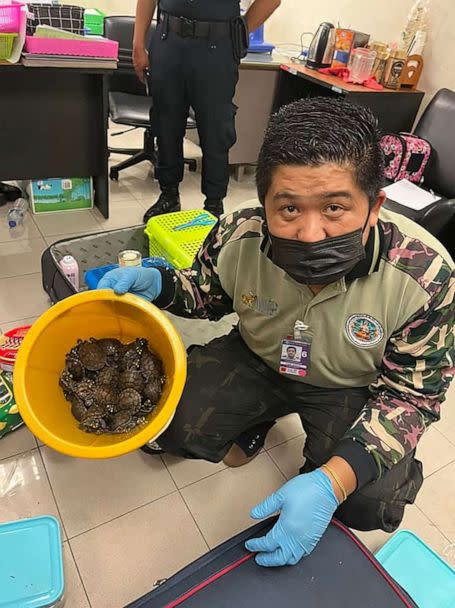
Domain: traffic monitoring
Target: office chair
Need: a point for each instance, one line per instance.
(437, 125)
(129, 104)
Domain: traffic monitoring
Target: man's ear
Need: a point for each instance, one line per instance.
(376, 207)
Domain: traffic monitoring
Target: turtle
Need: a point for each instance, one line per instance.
(112, 347)
(147, 407)
(67, 383)
(75, 368)
(85, 391)
(105, 395)
(123, 422)
(78, 408)
(151, 366)
(152, 391)
(108, 376)
(129, 400)
(131, 378)
(133, 353)
(91, 355)
(93, 421)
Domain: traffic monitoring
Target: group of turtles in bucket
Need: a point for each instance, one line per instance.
(111, 386)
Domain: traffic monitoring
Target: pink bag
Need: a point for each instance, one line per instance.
(406, 157)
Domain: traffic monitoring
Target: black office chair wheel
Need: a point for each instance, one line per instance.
(152, 448)
(113, 174)
(192, 166)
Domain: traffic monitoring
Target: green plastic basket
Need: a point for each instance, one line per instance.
(94, 21)
(6, 45)
(178, 247)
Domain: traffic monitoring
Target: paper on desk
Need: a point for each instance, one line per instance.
(408, 194)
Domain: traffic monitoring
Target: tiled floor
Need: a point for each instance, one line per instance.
(130, 521)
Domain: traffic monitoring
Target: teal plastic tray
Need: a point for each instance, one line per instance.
(31, 564)
(428, 579)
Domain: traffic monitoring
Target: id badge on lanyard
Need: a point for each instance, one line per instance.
(295, 351)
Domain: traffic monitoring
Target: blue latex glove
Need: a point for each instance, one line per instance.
(306, 505)
(143, 282)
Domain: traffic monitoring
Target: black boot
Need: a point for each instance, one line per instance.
(168, 202)
(214, 206)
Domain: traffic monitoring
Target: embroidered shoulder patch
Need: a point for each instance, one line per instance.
(261, 305)
(364, 331)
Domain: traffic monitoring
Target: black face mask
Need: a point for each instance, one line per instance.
(322, 262)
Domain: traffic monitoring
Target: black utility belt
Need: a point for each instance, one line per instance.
(190, 28)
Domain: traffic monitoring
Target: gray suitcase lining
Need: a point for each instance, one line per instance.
(101, 249)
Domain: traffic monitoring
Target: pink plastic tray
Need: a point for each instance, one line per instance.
(57, 46)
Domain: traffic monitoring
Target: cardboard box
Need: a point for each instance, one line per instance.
(68, 194)
(345, 41)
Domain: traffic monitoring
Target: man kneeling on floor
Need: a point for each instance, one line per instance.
(363, 300)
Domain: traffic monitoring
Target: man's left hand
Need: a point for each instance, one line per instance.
(306, 505)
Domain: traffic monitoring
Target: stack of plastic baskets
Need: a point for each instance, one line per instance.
(94, 21)
(10, 19)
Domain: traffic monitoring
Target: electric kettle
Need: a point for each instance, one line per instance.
(320, 53)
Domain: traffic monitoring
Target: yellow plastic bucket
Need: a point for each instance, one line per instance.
(41, 359)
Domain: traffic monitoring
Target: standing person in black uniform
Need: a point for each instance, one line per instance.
(193, 61)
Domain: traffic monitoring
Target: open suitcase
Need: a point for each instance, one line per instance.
(340, 572)
(90, 251)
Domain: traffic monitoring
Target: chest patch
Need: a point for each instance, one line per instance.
(364, 331)
(261, 305)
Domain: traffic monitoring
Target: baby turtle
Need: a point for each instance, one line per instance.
(123, 422)
(75, 368)
(85, 391)
(67, 383)
(131, 378)
(91, 355)
(112, 347)
(93, 421)
(153, 390)
(130, 400)
(151, 366)
(108, 376)
(147, 407)
(78, 408)
(105, 396)
(133, 354)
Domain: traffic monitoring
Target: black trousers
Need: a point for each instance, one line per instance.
(203, 74)
(230, 391)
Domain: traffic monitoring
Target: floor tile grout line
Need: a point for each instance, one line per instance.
(440, 469)
(79, 574)
(53, 493)
(197, 480)
(276, 465)
(123, 514)
(283, 442)
(21, 453)
(194, 519)
(432, 523)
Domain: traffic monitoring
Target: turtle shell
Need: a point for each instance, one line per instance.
(85, 391)
(153, 391)
(75, 368)
(108, 376)
(131, 378)
(93, 421)
(132, 356)
(130, 400)
(78, 409)
(105, 395)
(122, 422)
(147, 407)
(112, 347)
(151, 366)
(67, 383)
(91, 355)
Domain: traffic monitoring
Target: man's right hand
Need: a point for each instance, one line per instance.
(141, 62)
(143, 282)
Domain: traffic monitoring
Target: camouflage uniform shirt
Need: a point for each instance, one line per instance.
(389, 324)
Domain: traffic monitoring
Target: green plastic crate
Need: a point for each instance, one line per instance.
(94, 21)
(6, 45)
(178, 247)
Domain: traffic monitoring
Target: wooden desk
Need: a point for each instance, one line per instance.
(396, 110)
(53, 123)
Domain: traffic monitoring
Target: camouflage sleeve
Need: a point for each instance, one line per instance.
(417, 368)
(197, 292)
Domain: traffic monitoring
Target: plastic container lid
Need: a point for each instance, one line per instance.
(31, 564)
(10, 342)
(428, 579)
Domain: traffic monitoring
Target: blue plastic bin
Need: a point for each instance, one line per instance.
(31, 563)
(428, 579)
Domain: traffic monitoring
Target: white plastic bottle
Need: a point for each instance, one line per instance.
(16, 214)
(70, 269)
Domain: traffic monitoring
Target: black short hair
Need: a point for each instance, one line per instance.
(320, 130)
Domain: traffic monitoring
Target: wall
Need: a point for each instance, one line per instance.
(383, 19)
